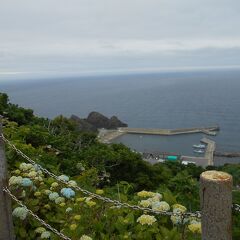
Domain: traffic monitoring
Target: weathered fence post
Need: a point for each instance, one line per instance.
(216, 205)
(6, 224)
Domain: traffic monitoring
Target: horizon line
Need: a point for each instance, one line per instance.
(54, 73)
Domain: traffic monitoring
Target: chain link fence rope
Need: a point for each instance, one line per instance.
(236, 207)
(102, 198)
(61, 235)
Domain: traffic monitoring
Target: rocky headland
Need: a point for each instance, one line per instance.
(96, 120)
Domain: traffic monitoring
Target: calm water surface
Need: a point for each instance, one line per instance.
(163, 100)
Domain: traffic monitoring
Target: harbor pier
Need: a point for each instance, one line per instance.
(169, 132)
(106, 136)
(206, 160)
(209, 153)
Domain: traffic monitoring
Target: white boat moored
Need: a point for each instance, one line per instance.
(201, 146)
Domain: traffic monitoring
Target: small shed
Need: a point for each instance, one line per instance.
(172, 158)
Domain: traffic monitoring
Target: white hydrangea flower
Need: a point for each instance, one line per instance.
(68, 210)
(40, 230)
(160, 206)
(23, 166)
(178, 208)
(145, 203)
(59, 200)
(15, 180)
(54, 185)
(45, 234)
(195, 227)
(20, 212)
(36, 167)
(40, 179)
(17, 171)
(157, 197)
(146, 219)
(88, 199)
(64, 178)
(32, 174)
(26, 166)
(176, 220)
(85, 237)
(80, 167)
(72, 183)
(47, 192)
(145, 194)
(52, 196)
(194, 222)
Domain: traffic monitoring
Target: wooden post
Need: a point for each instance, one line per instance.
(216, 205)
(6, 223)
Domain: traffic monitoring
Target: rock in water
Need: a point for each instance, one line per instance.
(114, 122)
(100, 121)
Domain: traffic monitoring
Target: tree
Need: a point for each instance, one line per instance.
(3, 102)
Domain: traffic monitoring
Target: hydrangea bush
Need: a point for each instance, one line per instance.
(84, 217)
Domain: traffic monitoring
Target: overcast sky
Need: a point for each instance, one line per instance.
(80, 36)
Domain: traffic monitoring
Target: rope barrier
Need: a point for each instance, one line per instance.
(236, 207)
(94, 195)
(36, 216)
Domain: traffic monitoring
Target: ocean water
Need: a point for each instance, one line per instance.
(159, 100)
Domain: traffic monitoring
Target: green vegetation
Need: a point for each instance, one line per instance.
(62, 148)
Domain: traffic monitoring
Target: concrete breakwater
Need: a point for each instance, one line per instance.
(169, 132)
(227, 154)
(106, 136)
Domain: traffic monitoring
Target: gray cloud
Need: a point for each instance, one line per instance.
(91, 35)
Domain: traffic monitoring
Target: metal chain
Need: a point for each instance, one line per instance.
(35, 216)
(236, 207)
(197, 214)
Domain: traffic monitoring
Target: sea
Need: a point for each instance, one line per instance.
(180, 99)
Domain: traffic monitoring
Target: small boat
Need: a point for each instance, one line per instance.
(212, 133)
(160, 160)
(198, 151)
(188, 162)
(201, 146)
